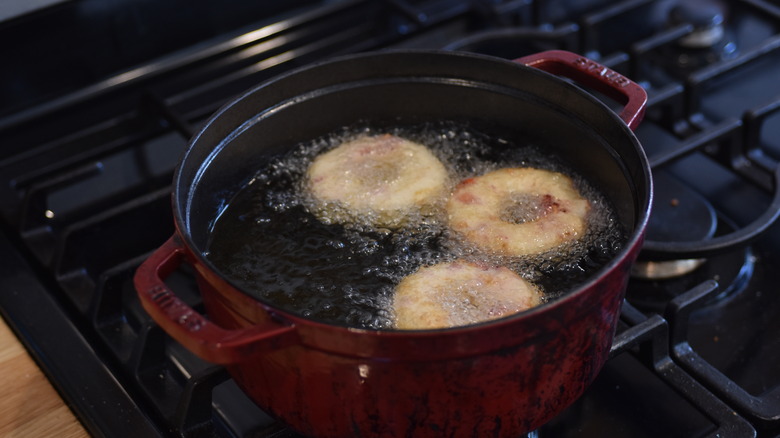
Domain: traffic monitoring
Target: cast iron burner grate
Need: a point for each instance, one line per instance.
(85, 197)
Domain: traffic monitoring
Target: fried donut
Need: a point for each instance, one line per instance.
(518, 211)
(382, 179)
(460, 293)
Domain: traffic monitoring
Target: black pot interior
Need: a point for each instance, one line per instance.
(388, 89)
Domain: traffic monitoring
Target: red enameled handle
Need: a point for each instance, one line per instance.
(190, 328)
(594, 75)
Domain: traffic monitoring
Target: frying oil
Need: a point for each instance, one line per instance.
(344, 273)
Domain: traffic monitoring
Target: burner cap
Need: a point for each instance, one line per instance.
(707, 18)
(679, 215)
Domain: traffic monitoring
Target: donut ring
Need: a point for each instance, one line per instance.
(518, 211)
(460, 293)
(380, 179)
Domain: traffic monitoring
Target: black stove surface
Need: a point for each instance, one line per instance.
(96, 112)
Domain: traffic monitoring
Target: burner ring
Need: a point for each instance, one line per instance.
(662, 270)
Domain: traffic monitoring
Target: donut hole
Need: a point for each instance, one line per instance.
(467, 295)
(520, 208)
(470, 303)
(374, 175)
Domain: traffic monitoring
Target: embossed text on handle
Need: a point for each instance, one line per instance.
(599, 70)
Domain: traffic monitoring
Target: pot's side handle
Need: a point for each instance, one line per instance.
(190, 328)
(594, 75)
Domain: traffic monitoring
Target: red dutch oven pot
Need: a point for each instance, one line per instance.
(500, 378)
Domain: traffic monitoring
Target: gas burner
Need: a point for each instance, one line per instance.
(707, 19)
(731, 270)
(679, 214)
(709, 39)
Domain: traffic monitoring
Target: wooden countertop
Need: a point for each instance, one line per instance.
(29, 405)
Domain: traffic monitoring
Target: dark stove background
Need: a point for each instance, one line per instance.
(98, 99)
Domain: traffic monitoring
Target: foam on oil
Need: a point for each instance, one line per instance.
(268, 241)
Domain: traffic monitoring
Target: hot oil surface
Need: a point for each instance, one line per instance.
(269, 243)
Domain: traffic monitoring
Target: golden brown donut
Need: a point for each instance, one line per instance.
(518, 211)
(380, 179)
(460, 293)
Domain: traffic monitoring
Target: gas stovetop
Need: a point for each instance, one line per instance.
(96, 112)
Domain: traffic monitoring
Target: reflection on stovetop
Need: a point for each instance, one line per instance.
(87, 165)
